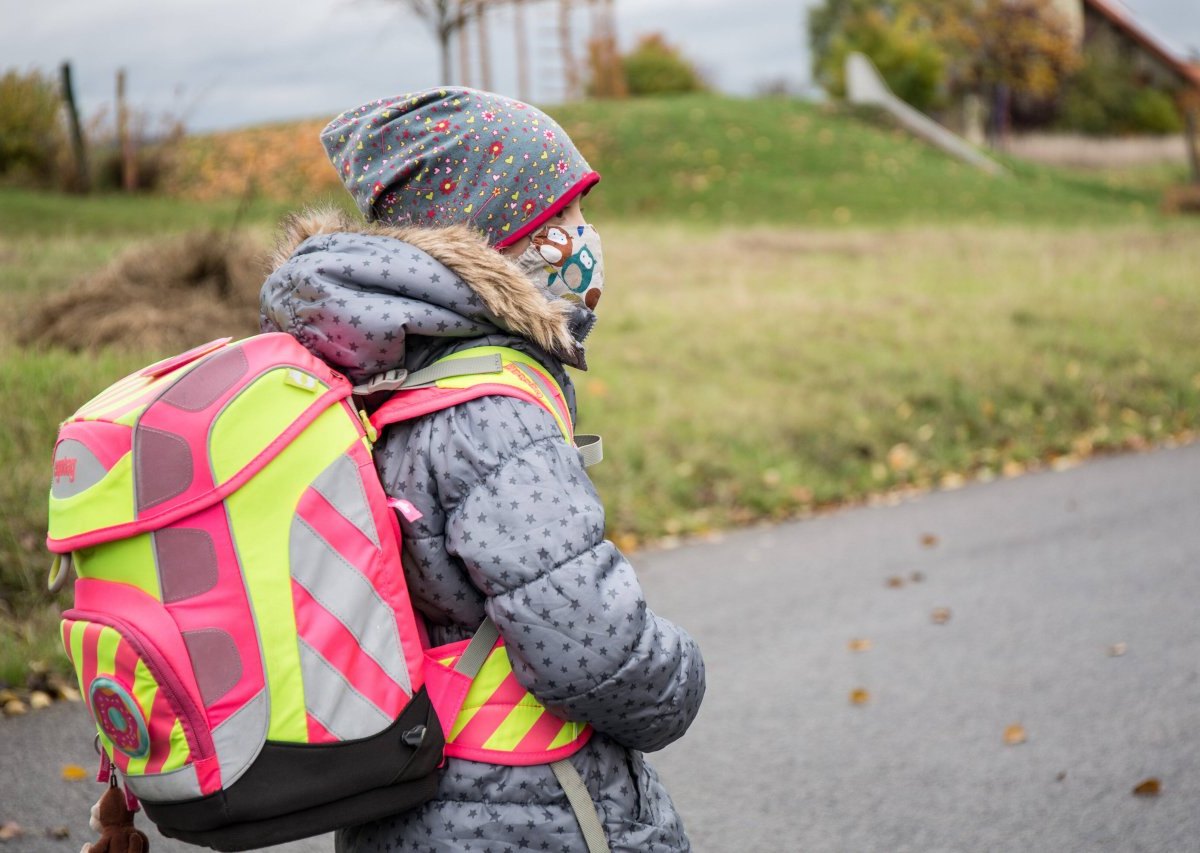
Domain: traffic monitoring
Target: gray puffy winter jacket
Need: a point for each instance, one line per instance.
(511, 527)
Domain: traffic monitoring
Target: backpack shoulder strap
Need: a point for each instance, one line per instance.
(469, 375)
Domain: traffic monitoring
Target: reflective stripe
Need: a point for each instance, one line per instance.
(334, 702)
(550, 399)
(516, 725)
(341, 485)
(342, 590)
(176, 785)
(239, 738)
(500, 721)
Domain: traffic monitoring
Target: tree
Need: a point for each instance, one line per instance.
(899, 41)
(31, 130)
(1104, 98)
(654, 67)
(929, 48)
(445, 18)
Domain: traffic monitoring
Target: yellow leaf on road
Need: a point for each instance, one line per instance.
(859, 696)
(74, 773)
(1014, 734)
(860, 644)
(1151, 787)
(940, 615)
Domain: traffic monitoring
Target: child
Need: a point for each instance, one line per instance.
(480, 240)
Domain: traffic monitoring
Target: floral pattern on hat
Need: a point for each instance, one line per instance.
(445, 156)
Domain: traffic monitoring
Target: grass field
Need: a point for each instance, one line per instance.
(743, 371)
(717, 160)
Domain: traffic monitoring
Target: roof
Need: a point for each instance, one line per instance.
(1187, 72)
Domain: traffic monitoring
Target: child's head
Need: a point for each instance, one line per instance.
(454, 155)
(459, 156)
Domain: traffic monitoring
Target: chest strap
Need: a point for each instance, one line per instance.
(473, 373)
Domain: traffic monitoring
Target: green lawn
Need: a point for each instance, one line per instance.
(803, 309)
(779, 161)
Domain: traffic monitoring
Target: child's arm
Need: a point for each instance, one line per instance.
(526, 522)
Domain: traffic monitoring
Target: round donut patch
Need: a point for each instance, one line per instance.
(119, 717)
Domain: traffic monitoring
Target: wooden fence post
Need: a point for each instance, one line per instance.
(82, 176)
(125, 142)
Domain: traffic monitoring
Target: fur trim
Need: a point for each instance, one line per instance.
(508, 294)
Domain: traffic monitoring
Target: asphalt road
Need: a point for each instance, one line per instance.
(1042, 577)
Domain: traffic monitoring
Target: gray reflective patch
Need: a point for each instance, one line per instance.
(215, 660)
(341, 485)
(333, 701)
(239, 739)
(75, 469)
(342, 590)
(162, 466)
(204, 385)
(180, 784)
(187, 562)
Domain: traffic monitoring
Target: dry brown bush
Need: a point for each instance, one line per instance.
(158, 297)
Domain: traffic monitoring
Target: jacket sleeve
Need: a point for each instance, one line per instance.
(526, 523)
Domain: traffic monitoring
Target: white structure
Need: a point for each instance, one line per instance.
(864, 85)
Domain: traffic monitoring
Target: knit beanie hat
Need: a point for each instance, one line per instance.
(455, 155)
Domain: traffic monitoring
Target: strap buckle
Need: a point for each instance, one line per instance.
(391, 380)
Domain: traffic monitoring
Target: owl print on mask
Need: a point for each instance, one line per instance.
(567, 261)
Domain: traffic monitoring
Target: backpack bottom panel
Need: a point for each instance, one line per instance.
(295, 791)
(362, 808)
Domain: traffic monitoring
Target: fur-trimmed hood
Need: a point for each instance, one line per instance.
(359, 296)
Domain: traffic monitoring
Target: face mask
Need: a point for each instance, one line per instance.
(566, 261)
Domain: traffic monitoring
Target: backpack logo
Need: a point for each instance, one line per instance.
(64, 468)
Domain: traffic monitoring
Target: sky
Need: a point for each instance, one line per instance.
(229, 63)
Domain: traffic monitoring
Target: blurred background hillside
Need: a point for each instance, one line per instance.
(844, 312)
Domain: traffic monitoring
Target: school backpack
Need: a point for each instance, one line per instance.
(242, 631)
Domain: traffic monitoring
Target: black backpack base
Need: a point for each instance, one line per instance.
(286, 793)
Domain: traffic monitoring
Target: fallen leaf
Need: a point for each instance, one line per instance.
(859, 696)
(901, 457)
(1012, 468)
(917, 577)
(1014, 734)
(940, 615)
(1151, 787)
(15, 707)
(1116, 650)
(802, 494)
(58, 832)
(895, 582)
(860, 644)
(952, 480)
(39, 700)
(10, 830)
(929, 540)
(626, 542)
(74, 773)
(1062, 774)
